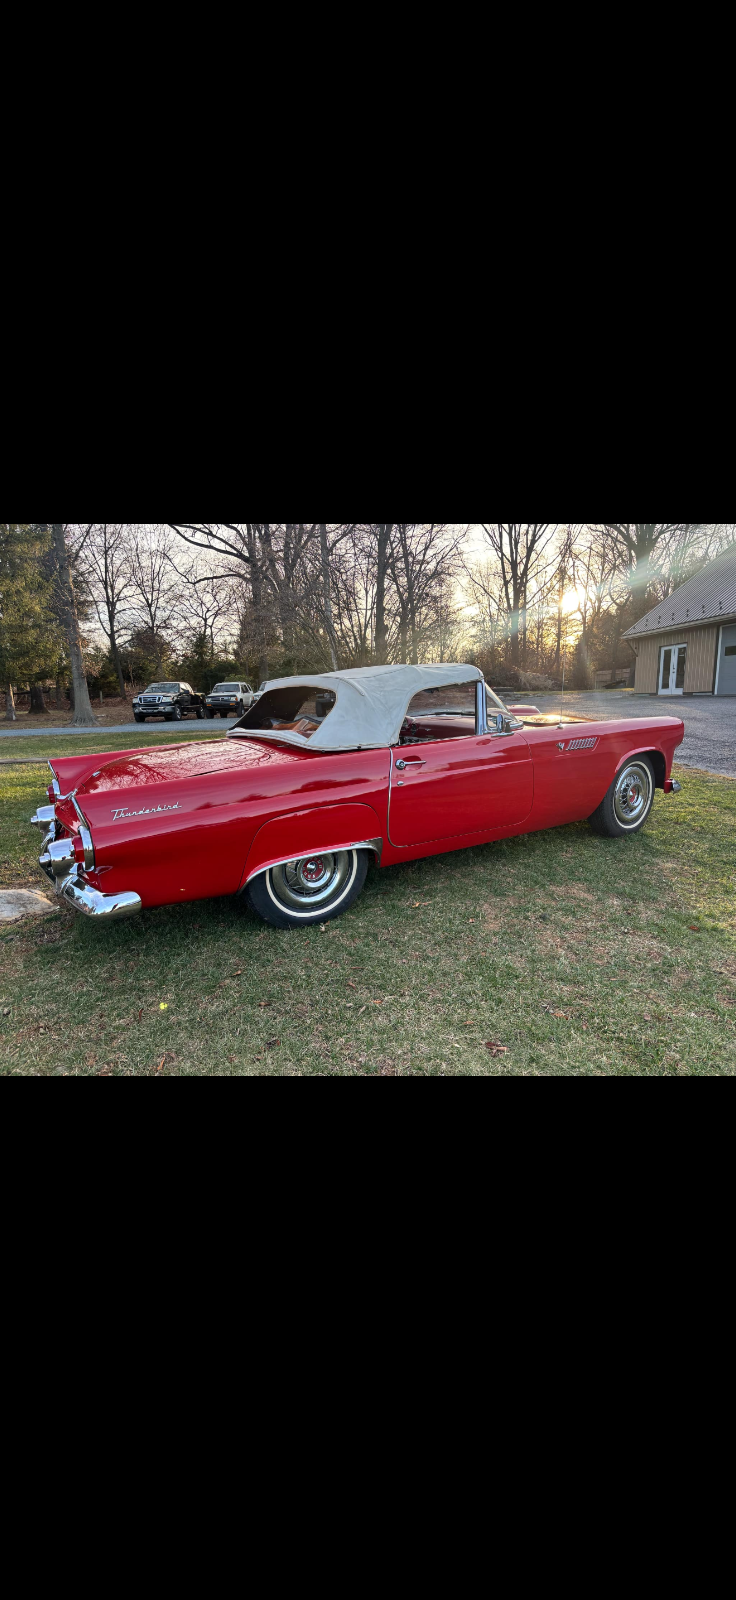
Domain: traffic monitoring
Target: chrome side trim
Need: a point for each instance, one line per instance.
(322, 850)
(86, 837)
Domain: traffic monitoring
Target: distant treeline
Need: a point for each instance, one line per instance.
(212, 601)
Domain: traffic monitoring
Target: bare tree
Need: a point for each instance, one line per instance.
(155, 584)
(354, 598)
(383, 531)
(206, 603)
(643, 547)
(108, 557)
(324, 551)
(424, 559)
(523, 550)
(288, 569)
(82, 716)
(244, 550)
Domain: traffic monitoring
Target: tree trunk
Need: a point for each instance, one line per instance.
(642, 574)
(38, 707)
(83, 715)
(515, 627)
(117, 663)
(384, 535)
(10, 713)
(256, 585)
(327, 595)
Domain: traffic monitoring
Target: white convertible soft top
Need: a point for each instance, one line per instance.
(372, 703)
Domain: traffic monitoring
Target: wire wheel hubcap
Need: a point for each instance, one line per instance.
(311, 881)
(633, 795)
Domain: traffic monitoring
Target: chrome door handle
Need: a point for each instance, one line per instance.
(414, 762)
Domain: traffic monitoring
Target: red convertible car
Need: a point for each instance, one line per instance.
(324, 773)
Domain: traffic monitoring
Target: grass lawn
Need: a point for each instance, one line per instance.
(569, 954)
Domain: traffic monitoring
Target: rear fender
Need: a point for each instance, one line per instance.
(305, 832)
(72, 771)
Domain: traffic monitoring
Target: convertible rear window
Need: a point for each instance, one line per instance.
(298, 710)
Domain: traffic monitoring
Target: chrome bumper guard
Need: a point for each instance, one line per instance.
(68, 877)
(71, 885)
(44, 818)
(91, 903)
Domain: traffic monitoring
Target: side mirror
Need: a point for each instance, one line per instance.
(503, 725)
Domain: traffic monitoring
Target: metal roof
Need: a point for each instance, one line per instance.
(708, 597)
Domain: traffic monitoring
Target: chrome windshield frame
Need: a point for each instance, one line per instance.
(482, 723)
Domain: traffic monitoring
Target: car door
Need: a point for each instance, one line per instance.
(185, 698)
(460, 786)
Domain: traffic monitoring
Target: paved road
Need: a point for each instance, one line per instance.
(710, 724)
(135, 729)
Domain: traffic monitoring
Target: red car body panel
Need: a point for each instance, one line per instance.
(305, 832)
(458, 786)
(182, 820)
(197, 820)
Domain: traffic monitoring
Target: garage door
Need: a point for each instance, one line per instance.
(726, 680)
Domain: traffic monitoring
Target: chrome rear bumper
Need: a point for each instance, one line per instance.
(93, 904)
(69, 877)
(72, 886)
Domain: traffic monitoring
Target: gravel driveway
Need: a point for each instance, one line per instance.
(710, 724)
(710, 737)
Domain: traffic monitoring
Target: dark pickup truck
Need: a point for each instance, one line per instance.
(172, 701)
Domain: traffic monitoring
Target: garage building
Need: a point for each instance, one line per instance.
(687, 645)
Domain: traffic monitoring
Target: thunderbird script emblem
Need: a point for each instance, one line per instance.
(148, 811)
